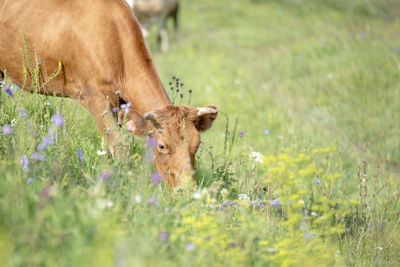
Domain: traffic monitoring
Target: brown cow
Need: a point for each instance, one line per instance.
(104, 60)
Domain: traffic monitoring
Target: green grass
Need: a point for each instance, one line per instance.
(317, 74)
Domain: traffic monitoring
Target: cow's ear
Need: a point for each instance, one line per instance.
(205, 117)
(134, 122)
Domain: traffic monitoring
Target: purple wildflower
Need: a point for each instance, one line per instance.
(30, 180)
(163, 236)
(105, 174)
(317, 181)
(274, 202)
(24, 162)
(126, 107)
(48, 140)
(6, 88)
(151, 141)
(181, 95)
(115, 109)
(37, 156)
(152, 201)
(79, 153)
(190, 246)
(57, 119)
(156, 178)
(6, 129)
(241, 133)
(22, 112)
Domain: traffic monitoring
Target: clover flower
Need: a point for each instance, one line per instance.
(57, 119)
(241, 133)
(6, 129)
(156, 178)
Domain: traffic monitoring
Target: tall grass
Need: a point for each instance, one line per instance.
(301, 167)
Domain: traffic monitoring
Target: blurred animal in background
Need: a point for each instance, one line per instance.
(149, 12)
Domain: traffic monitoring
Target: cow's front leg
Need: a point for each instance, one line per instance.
(102, 115)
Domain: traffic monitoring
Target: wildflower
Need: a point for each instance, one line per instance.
(257, 156)
(57, 119)
(37, 156)
(79, 153)
(190, 246)
(126, 107)
(396, 50)
(110, 204)
(152, 201)
(317, 181)
(181, 95)
(244, 197)
(30, 180)
(266, 131)
(363, 35)
(105, 174)
(313, 213)
(6, 88)
(48, 140)
(196, 195)
(166, 209)
(211, 206)
(115, 109)
(274, 202)
(151, 141)
(156, 178)
(138, 198)
(101, 153)
(163, 236)
(24, 162)
(241, 133)
(22, 112)
(6, 129)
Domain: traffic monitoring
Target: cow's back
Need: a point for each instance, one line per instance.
(83, 34)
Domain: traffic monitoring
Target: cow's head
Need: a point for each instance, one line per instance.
(176, 131)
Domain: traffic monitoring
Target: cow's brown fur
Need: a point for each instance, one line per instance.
(104, 59)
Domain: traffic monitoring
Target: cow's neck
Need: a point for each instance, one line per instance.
(144, 90)
(142, 86)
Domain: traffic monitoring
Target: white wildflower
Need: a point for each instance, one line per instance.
(256, 156)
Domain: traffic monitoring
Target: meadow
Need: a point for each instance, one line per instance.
(301, 168)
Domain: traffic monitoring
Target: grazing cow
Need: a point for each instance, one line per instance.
(105, 62)
(156, 11)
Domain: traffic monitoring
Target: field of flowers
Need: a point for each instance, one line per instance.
(302, 167)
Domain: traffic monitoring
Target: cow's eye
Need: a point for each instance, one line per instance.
(161, 147)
